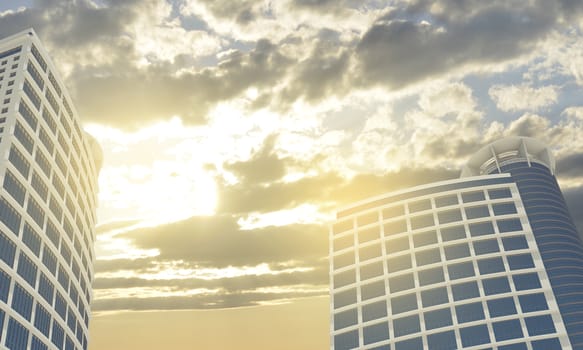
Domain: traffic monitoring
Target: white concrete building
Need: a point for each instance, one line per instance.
(48, 177)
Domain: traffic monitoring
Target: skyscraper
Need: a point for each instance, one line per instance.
(489, 260)
(48, 172)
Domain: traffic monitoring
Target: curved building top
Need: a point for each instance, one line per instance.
(490, 158)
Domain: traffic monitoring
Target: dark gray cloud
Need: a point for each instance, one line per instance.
(201, 301)
(400, 48)
(574, 199)
(264, 166)
(570, 166)
(134, 96)
(217, 241)
(327, 187)
(317, 276)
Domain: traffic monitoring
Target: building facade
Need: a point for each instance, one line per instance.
(48, 177)
(491, 260)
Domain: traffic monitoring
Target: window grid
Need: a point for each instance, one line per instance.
(477, 253)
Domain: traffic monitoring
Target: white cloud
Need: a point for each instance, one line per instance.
(523, 97)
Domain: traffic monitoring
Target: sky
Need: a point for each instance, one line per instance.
(232, 129)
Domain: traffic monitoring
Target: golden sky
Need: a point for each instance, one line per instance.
(232, 129)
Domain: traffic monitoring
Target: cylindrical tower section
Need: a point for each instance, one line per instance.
(531, 166)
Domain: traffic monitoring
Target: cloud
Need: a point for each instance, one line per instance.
(400, 49)
(218, 241)
(523, 97)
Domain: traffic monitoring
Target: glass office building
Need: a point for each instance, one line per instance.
(48, 186)
(491, 260)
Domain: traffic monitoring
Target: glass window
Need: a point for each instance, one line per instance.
(509, 225)
(36, 212)
(409, 344)
(16, 335)
(345, 319)
(421, 205)
(504, 208)
(462, 291)
(367, 219)
(446, 201)
(14, 187)
(501, 307)
(477, 212)
(61, 306)
(422, 221)
(31, 239)
(438, 318)
(42, 320)
(500, 193)
(481, 229)
(457, 251)
(342, 226)
(490, 265)
(520, 261)
(343, 260)
(431, 276)
(526, 281)
(473, 196)
(63, 278)
(474, 335)
(448, 216)
(58, 335)
(46, 288)
(424, 238)
(49, 260)
(37, 344)
(371, 270)
(469, 312)
(32, 95)
(442, 341)
(547, 344)
(394, 227)
(533, 302)
(427, 257)
(347, 297)
(393, 212)
(399, 283)
(4, 286)
(397, 245)
(374, 311)
(375, 333)
(487, 246)
(461, 270)
(369, 234)
(345, 341)
(343, 242)
(28, 115)
(404, 303)
(27, 269)
(453, 233)
(515, 243)
(22, 301)
(370, 252)
(18, 160)
(344, 278)
(538, 325)
(434, 296)
(10, 216)
(496, 285)
(7, 250)
(406, 325)
(23, 137)
(509, 329)
(372, 290)
(399, 263)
